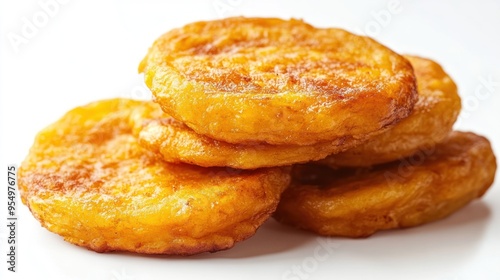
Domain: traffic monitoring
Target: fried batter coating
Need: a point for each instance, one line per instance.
(430, 122)
(87, 179)
(421, 189)
(282, 82)
(162, 134)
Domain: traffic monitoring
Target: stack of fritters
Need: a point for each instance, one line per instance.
(242, 107)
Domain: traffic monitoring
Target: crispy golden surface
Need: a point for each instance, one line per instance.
(87, 179)
(248, 80)
(359, 202)
(160, 133)
(430, 122)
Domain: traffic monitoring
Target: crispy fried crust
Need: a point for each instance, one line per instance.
(87, 179)
(421, 189)
(162, 134)
(430, 122)
(246, 80)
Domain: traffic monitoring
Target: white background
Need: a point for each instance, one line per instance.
(89, 50)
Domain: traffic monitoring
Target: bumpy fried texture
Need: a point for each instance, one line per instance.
(247, 80)
(162, 134)
(87, 179)
(430, 122)
(421, 189)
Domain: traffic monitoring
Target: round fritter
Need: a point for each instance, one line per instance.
(162, 134)
(430, 122)
(87, 179)
(358, 202)
(247, 80)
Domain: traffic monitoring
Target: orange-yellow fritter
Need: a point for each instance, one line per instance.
(430, 122)
(282, 82)
(87, 179)
(359, 202)
(162, 134)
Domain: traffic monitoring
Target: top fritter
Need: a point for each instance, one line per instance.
(250, 80)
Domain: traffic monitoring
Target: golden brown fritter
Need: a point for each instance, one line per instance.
(282, 82)
(87, 179)
(418, 190)
(430, 122)
(162, 134)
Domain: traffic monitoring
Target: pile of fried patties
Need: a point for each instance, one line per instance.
(319, 128)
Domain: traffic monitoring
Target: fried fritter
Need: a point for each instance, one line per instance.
(430, 122)
(87, 179)
(265, 80)
(420, 189)
(162, 134)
